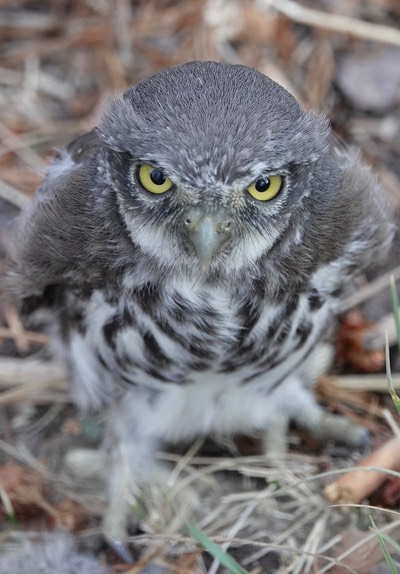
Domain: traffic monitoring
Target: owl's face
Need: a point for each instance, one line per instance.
(212, 168)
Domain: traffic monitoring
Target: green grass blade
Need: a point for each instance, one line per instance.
(391, 541)
(392, 391)
(381, 539)
(396, 311)
(216, 551)
(14, 521)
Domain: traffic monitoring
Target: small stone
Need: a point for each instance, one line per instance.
(371, 82)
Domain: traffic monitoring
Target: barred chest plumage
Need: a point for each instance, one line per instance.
(183, 333)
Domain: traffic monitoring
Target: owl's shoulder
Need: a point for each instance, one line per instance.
(70, 166)
(66, 235)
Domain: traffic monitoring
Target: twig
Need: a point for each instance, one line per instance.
(31, 336)
(235, 529)
(14, 372)
(184, 461)
(28, 19)
(335, 22)
(357, 484)
(375, 383)
(366, 541)
(303, 563)
(13, 195)
(374, 338)
(369, 290)
(22, 453)
(393, 425)
(16, 329)
(26, 391)
(27, 155)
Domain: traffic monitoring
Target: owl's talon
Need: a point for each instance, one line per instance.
(366, 440)
(341, 430)
(120, 550)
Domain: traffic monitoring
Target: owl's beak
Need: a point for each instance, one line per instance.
(208, 231)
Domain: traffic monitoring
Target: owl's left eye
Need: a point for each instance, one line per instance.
(266, 188)
(153, 179)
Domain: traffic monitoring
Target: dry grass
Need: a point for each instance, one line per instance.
(57, 62)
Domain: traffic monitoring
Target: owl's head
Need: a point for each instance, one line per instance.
(211, 164)
(206, 170)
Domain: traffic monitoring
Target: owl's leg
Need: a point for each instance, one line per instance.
(139, 485)
(300, 406)
(310, 416)
(131, 467)
(275, 436)
(125, 467)
(326, 426)
(294, 401)
(87, 464)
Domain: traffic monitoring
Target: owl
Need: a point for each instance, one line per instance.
(189, 254)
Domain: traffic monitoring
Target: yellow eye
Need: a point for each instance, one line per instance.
(153, 179)
(266, 188)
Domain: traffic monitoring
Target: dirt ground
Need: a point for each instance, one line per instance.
(59, 60)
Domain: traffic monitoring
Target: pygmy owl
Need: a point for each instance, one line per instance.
(191, 251)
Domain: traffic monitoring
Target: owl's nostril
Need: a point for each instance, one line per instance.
(219, 219)
(224, 227)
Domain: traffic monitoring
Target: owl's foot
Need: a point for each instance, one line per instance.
(298, 405)
(340, 429)
(132, 494)
(139, 491)
(120, 550)
(88, 464)
(323, 427)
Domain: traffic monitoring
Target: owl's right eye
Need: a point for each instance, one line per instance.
(266, 188)
(153, 179)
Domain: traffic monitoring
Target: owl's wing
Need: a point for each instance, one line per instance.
(82, 147)
(63, 236)
(367, 207)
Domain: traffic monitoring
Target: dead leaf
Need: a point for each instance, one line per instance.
(23, 489)
(350, 350)
(71, 516)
